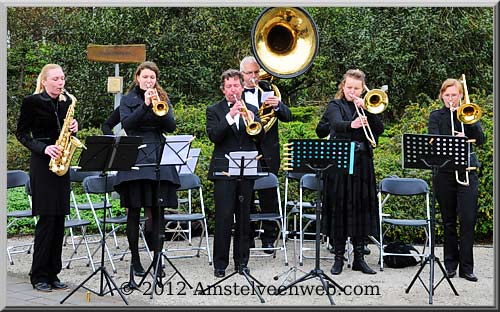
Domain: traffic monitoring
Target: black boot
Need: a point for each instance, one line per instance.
(339, 259)
(337, 265)
(359, 263)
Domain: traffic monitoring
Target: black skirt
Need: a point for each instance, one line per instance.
(350, 201)
(144, 193)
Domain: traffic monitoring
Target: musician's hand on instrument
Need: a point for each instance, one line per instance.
(148, 95)
(459, 134)
(73, 127)
(358, 122)
(233, 111)
(54, 151)
(359, 102)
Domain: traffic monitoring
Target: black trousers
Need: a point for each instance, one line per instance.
(226, 193)
(47, 249)
(457, 202)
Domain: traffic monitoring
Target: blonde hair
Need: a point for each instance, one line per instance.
(354, 74)
(43, 76)
(450, 82)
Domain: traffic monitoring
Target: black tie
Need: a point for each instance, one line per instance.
(250, 90)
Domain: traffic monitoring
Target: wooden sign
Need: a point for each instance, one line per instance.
(129, 53)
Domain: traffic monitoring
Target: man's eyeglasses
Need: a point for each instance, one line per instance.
(251, 72)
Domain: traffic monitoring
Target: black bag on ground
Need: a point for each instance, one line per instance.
(394, 261)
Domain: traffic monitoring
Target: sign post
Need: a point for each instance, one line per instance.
(128, 53)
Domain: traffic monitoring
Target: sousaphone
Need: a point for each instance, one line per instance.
(285, 43)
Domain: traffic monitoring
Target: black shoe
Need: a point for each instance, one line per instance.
(57, 285)
(337, 266)
(268, 245)
(219, 272)
(468, 276)
(361, 265)
(138, 269)
(42, 286)
(451, 273)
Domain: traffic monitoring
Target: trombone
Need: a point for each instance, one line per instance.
(376, 101)
(252, 127)
(467, 113)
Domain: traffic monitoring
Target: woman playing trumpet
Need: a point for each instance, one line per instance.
(456, 200)
(351, 200)
(139, 188)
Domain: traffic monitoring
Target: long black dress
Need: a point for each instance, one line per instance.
(38, 126)
(350, 208)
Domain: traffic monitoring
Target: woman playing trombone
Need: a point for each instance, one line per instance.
(351, 200)
(456, 199)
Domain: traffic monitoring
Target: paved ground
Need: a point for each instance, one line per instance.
(386, 288)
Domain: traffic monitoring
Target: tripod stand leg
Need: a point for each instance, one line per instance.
(326, 288)
(203, 291)
(417, 275)
(445, 274)
(177, 271)
(81, 285)
(250, 279)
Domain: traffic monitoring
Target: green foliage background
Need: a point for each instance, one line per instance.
(411, 49)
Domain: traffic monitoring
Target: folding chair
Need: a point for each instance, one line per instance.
(270, 182)
(403, 187)
(182, 220)
(308, 183)
(15, 179)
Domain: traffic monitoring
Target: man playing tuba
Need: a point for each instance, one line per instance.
(269, 147)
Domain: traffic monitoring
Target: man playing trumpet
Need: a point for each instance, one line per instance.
(226, 128)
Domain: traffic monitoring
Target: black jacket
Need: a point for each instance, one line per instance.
(227, 138)
(440, 123)
(139, 120)
(270, 144)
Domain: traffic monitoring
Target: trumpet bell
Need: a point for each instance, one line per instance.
(160, 108)
(469, 113)
(254, 128)
(285, 41)
(376, 101)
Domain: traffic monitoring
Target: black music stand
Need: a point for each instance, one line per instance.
(435, 152)
(319, 156)
(105, 153)
(175, 153)
(242, 165)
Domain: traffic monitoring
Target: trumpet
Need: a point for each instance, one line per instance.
(252, 127)
(376, 101)
(467, 113)
(160, 108)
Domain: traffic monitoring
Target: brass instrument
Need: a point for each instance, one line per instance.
(266, 111)
(252, 127)
(160, 108)
(66, 140)
(376, 101)
(285, 43)
(467, 113)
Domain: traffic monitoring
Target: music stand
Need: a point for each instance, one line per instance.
(172, 150)
(319, 156)
(105, 153)
(435, 152)
(242, 165)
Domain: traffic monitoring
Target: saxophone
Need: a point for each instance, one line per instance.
(66, 140)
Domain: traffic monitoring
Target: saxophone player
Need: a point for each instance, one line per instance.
(39, 125)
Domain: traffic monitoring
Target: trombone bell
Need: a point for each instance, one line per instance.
(376, 101)
(469, 113)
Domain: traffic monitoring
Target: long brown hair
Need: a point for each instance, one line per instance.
(354, 74)
(151, 66)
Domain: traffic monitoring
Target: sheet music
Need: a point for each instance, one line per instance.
(176, 149)
(191, 162)
(265, 95)
(249, 163)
